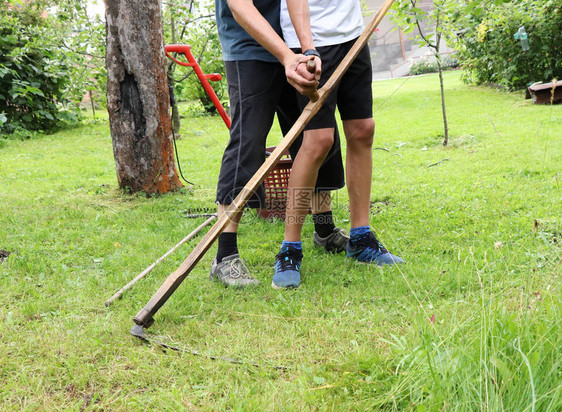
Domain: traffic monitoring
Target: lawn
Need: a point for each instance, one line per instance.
(470, 322)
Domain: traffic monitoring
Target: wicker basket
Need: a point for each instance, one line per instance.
(276, 184)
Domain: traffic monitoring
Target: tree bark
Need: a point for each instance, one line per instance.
(443, 108)
(138, 97)
(170, 72)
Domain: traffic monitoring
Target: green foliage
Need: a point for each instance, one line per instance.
(427, 24)
(81, 39)
(32, 79)
(46, 63)
(489, 52)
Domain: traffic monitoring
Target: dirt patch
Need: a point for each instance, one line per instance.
(4, 255)
(378, 206)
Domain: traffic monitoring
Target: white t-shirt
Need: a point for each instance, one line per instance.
(331, 21)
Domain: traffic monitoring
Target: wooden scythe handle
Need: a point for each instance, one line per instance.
(311, 67)
(145, 315)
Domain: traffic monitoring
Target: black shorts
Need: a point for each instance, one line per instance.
(353, 95)
(257, 90)
(331, 175)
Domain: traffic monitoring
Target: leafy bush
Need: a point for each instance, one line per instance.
(80, 38)
(46, 63)
(490, 54)
(32, 79)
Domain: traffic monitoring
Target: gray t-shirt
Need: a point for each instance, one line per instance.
(236, 43)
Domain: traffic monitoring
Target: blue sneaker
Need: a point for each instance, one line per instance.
(367, 249)
(287, 268)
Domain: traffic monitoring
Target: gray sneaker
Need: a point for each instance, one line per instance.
(335, 242)
(232, 271)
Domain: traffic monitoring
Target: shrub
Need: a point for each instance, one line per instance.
(32, 79)
(490, 54)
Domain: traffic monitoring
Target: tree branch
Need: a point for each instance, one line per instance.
(424, 38)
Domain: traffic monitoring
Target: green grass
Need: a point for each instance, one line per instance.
(471, 322)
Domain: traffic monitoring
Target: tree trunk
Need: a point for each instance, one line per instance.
(170, 72)
(443, 109)
(440, 70)
(138, 97)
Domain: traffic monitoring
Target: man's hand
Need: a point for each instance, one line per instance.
(298, 75)
(316, 64)
(311, 67)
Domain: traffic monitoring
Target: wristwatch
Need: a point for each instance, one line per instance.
(312, 52)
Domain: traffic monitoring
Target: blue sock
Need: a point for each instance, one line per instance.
(357, 232)
(296, 245)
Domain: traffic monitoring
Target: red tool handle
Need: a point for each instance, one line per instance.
(203, 78)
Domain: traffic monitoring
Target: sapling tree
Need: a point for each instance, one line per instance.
(409, 15)
(441, 20)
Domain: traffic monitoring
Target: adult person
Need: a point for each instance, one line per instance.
(258, 86)
(328, 29)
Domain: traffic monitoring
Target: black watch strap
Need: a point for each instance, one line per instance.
(312, 52)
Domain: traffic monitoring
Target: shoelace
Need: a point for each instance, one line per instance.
(369, 241)
(238, 270)
(289, 259)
